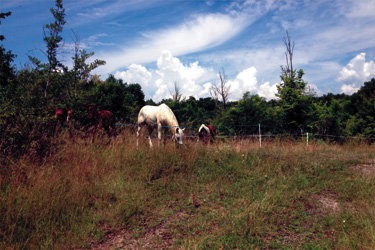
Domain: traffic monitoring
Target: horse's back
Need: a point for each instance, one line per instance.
(151, 115)
(148, 115)
(212, 129)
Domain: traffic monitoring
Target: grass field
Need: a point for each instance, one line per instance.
(108, 194)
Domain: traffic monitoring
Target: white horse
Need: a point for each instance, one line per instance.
(161, 117)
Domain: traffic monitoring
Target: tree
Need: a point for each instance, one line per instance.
(7, 79)
(176, 95)
(52, 38)
(222, 91)
(294, 99)
(363, 111)
(240, 119)
(3, 15)
(81, 69)
(288, 55)
(7, 71)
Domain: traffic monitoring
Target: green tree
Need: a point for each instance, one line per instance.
(363, 111)
(295, 99)
(52, 38)
(52, 35)
(7, 84)
(7, 70)
(81, 69)
(245, 116)
(122, 99)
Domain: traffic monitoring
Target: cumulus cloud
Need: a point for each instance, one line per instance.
(192, 79)
(355, 73)
(159, 83)
(136, 74)
(349, 89)
(268, 91)
(246, 81)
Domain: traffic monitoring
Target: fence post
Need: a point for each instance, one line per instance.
(260, 137)
(307, 141)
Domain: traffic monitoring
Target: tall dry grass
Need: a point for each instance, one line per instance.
(231, 194)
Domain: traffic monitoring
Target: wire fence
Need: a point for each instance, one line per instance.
(193, 133)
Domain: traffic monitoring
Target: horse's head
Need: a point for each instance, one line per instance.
(92, 112)
(179, 135)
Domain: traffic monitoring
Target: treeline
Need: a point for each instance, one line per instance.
(27, 94)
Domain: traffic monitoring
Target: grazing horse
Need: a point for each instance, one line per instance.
(206, 132)
(159, 116)
(62, 115)
(105, 118)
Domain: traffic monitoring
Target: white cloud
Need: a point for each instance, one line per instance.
(197, 33)
(135, 74)
(313, 89)
(359, 9)
(192, 79)
(158, 84)
(268, 91)
(349, 89)
(266, 60)
(93, 40)
(200, 33)
(246, 81)
(355, 73)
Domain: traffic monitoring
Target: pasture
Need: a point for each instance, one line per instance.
(107, 194)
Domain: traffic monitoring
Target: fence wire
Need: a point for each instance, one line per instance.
(303, 134)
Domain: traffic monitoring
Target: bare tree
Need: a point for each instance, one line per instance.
(289, 54)
(221, 91)
(176, 96)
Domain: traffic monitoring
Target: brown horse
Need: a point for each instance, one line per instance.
(104, 118)
(62, 115)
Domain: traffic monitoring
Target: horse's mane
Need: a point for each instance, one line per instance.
(171, 118)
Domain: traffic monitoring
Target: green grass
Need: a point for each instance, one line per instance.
(229, 195)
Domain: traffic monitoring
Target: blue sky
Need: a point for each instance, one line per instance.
(157, 43)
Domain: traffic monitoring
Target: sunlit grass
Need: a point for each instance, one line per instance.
(230, 194)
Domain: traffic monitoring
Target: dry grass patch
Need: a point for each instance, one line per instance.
(108, 194)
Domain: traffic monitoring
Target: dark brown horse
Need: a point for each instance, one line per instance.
(104, 118)
(62, 115)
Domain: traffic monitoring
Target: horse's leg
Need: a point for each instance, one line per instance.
(160, 130)
(149, 135)
(165, 136)
(138, 132)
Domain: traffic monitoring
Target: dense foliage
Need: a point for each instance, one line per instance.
(26, 95)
